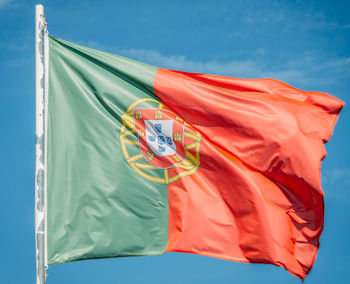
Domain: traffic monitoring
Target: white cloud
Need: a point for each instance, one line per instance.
(336, 176)
(347, 26)
(308, 69)
(336, 183)
(289, 17)
(4, 3)
(234, 68)
(181, 62)
(340, 64)
(19, 62)
(17, 46)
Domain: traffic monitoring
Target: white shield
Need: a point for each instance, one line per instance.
(159, 137)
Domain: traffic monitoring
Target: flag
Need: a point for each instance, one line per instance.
(143, 161)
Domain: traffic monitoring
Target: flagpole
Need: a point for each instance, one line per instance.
(41, 64)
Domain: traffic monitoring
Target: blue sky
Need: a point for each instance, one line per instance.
(304, 43)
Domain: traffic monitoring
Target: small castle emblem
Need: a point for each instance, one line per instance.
(177, 136)
(150, 155)
(138, 114)
(158, 114)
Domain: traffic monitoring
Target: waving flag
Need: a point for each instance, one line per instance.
(143, 161)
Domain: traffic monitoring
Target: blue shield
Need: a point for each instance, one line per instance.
(161, 148)
(161, 140)
(158, 127)
(169, 141)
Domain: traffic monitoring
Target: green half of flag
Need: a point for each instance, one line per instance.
(98, 206)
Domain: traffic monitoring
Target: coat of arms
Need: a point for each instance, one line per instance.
(165, 141)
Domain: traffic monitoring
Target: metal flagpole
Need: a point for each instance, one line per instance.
(41, 78)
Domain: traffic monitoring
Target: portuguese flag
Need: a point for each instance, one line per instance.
(143, 161)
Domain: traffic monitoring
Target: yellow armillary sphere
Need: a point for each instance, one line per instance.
(158, 144)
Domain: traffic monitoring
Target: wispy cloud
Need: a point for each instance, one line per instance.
(345, 27)
(339, 64)
(18, 46)
(304, 71)
(336, 184)
(19, 62)
(288, 16)
(4, 3)
(11, 4)
(334, 176)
